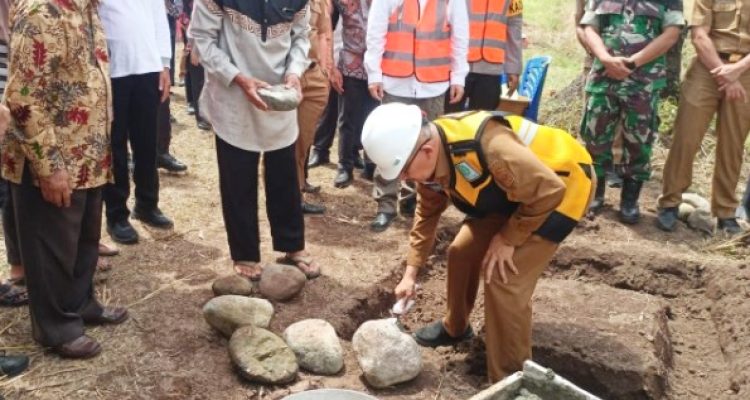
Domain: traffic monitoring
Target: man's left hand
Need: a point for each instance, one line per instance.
(512, 83)
(292, 82)
(726, 73)
(457, 93)
(499, 256)
(165, 84)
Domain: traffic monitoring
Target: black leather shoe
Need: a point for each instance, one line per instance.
(153, 217)
(109, 316)
(308, 188)
(171, 164)
(667, 218)
(13, 365)
(81, 348)
(435, 335)
(190, 110)
(309, 208)
(204, 125)
(382, 221)
(316, 160)
(122, 232)
(359, 162)
(729, 226)
(408, 207)
(629, 211)
(343, 179)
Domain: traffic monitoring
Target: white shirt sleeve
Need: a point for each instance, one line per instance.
(459, 20)
(204, 30)
(377, 29)
(163, 38)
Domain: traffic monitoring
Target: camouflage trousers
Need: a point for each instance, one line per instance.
(636, 114)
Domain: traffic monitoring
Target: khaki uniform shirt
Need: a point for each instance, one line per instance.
(519, 172)
(320, 28)
(729, 21)
(58, 93)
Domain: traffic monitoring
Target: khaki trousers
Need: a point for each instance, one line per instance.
(314, 99)
(700, 99)
(507, 307)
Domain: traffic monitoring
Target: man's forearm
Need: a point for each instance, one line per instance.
(596, 44)
(705, 49)
(581, 36)
(657, 47)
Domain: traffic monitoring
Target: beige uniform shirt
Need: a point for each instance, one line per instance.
(515, 168)
(320, 32)
(729, 21)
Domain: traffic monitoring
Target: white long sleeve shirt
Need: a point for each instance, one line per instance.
(377, 29)
(137, 36)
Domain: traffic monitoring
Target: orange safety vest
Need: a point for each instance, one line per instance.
(419, 45)
(488, 30)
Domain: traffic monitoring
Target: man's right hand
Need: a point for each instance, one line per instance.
(56, 188)
(734, 91)
(250, 86)
(376, 91)
(616, 68)
(4, 120)
(337, 81)
(405, 288)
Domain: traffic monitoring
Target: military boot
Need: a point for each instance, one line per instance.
(631, 190)
(598, 202)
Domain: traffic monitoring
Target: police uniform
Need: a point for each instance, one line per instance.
(531, 184)
(626, 27)
(315, 85)
(700, 99)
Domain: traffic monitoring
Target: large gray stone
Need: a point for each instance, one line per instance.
(262, 357)
(613, 342)
(233, 284)
(227, 313)
(316, 345)
(281, 282)
(386, 355)
(280, 98)
(697, 201)
(701, 220)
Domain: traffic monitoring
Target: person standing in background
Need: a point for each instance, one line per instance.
(138, 38)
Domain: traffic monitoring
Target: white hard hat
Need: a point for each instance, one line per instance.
(389, 136)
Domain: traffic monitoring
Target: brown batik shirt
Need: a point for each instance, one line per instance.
(58, 93)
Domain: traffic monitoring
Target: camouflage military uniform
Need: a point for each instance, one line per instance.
(626, 27)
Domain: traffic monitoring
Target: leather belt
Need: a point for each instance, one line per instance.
(731, 57)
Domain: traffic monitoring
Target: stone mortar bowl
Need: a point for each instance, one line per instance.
(279, 98)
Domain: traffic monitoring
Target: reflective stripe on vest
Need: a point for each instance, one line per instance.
(481, 195)
(419, 45)
(488, 30)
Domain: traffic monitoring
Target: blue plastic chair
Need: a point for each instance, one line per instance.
(531, 84)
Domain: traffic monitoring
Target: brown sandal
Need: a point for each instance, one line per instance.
(304, 263)
(256, 266)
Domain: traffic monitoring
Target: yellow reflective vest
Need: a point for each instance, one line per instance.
(474, 190)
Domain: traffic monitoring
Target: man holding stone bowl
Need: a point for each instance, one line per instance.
(247, 47)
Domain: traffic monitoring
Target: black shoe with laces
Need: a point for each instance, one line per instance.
(168, 162)
(382, 221)
(13, 365)
(122, 232)
(153, 218)
(729, 226)
(310, 208)
(667, 218)
(343, 179)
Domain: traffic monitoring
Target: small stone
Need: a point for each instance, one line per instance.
(233, 284)
(702, 221)
(280, 97)
(684, 211)
(386, 355)
(261, 356)
(316, 345)
(281, 282)
(227, 313)
(697, 201)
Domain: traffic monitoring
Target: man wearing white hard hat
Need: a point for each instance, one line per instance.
(523, 187)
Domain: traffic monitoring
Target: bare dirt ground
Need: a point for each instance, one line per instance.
(167, 351)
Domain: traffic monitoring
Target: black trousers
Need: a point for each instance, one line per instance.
(327, 126)
(482, 92)
(354, 107)
(59, 249)
(238, 181)
(172, 38)
(164, 127)
(196, 77)
(12, 250)
(136, 104)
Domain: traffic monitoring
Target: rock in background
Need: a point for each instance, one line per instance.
(227, 313)
(281, 282)
(386, 355)
(262, 357)
(316, 345)
(233, 284)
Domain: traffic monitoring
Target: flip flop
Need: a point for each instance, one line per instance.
(107, 251)
(245, 264)
(301, 262)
